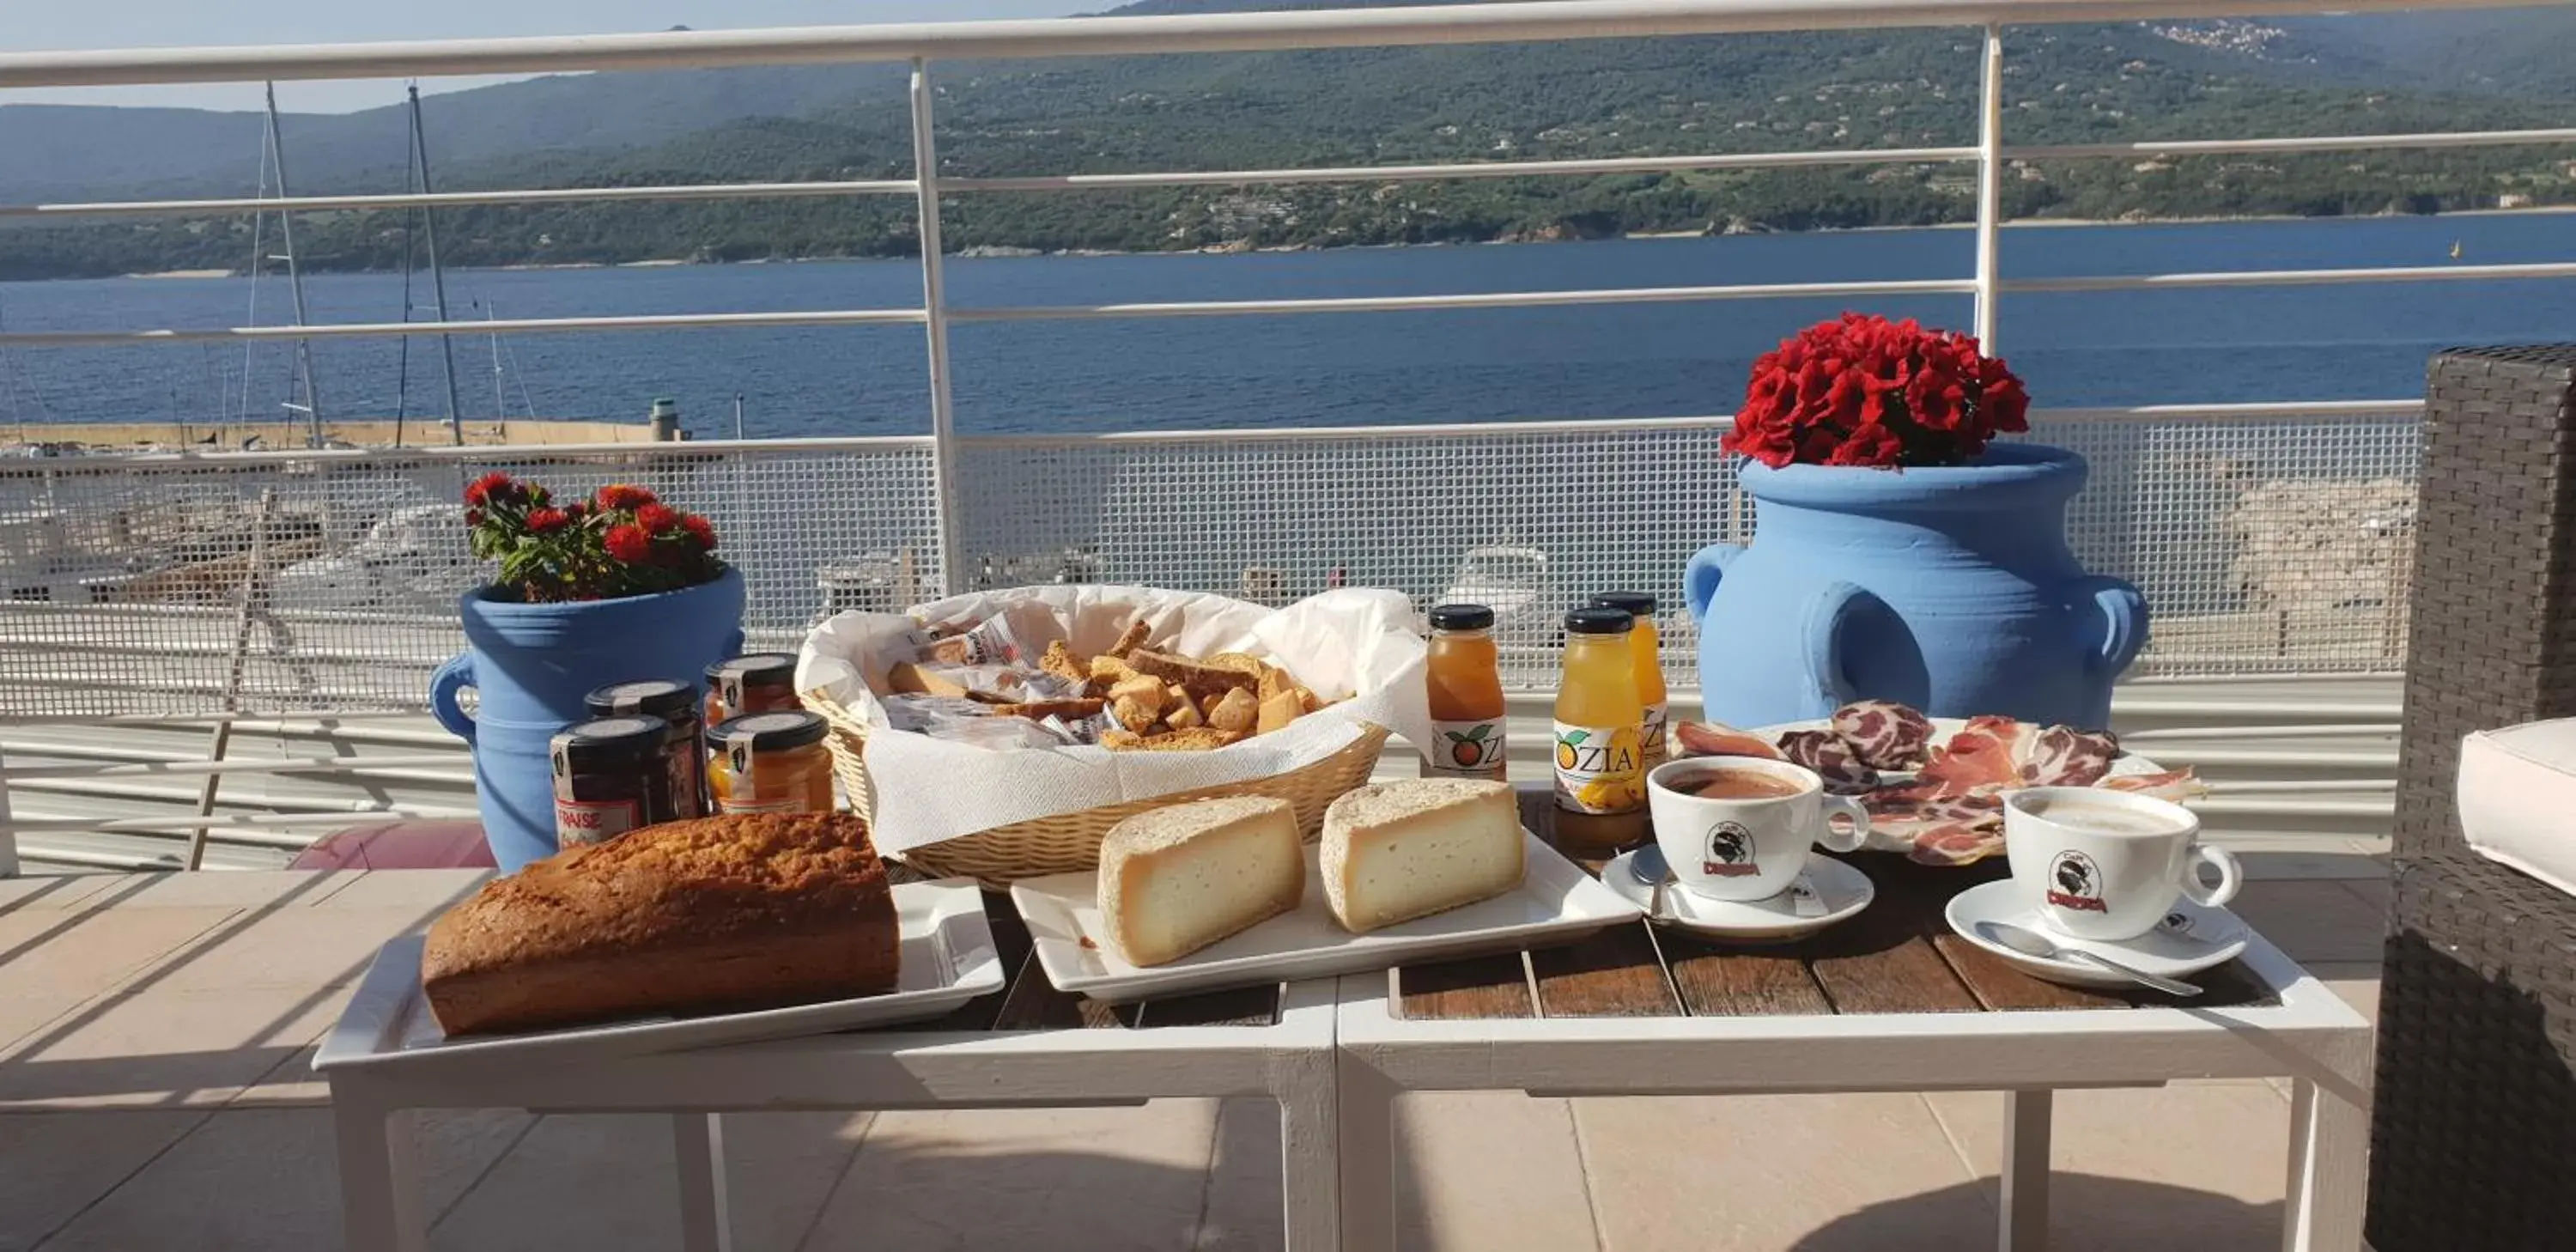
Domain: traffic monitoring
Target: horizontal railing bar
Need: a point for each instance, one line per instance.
(2313, 143)
(1104, 36)
(459, 199)
(2290, 278)
(1439, 430)
(1478, 300)
(190, 821)
(1432, 171)
(2250, 411)
(270, 765)
(1446, 171)
(472, 454)
(501, 326)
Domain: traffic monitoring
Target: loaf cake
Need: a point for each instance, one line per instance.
(1174, 880)
(719, 914)
(1397, 851)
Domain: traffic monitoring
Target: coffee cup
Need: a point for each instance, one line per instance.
(1742, 828)
(2100, 864)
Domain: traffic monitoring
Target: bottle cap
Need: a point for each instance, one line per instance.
(1600, 621)
(760, 669)
(655, 697)
(1461, 617)
(609, 742)
(1639, 603)
(769, 732)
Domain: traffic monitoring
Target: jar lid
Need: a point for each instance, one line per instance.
(760, 669)
(769, 732)
(610, 741)
(1599, 621)
(657, 697)
(1461, 617)
(1640, 603)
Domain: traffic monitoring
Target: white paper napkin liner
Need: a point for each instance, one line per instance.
(929, 790)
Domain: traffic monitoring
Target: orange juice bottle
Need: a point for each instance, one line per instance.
(1600, 782)
(1650, 671)
(1466, 688)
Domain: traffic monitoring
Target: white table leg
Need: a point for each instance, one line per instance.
(2024, 1206)
(1309, 1158)
(2329, 1160)
(698, 1140)
(380, 1203)
(1365, 1101)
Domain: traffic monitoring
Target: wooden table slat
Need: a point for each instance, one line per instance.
(1719, 981)
(1478, 987)
(1616, 973)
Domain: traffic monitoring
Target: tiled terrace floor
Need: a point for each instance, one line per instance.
(154, 1094)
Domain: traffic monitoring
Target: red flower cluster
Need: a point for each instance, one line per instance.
(1868, 391)
(622, 541)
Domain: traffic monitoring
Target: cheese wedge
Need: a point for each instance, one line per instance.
(1398, 851)
(1174, 880)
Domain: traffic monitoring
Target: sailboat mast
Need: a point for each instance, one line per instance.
(295, 280)
(437, 275)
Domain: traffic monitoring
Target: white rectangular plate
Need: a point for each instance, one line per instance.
(948, 959)
(1556, 902)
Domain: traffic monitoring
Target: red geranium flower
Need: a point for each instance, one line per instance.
(631, 544)
(701, 530)
(617, 496)
(482, 490)
(659, 519)
(1868, 391)
(543, 521)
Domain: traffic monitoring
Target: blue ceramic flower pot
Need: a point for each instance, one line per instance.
(530, 666)
(1947, 588)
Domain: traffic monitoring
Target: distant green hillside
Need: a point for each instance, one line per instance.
(1379, 106)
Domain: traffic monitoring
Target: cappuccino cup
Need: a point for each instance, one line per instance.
(1741, 828)
(2099, 864)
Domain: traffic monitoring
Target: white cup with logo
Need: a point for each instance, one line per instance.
(2100, 864)
(1749, 836)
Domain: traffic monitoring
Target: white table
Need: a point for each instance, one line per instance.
(1887, 1002)
(1066, 1055)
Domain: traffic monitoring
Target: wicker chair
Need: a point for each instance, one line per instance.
(2474, 1119)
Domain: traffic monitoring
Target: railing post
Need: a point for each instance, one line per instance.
(1990, 179)
(934, 302)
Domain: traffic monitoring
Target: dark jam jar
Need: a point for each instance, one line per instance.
(676, 704)
(610, 779)
(759, 683)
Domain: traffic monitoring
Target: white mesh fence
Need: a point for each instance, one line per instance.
(280, 583)
(283, 584)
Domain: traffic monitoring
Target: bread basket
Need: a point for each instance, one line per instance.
(1070, 842)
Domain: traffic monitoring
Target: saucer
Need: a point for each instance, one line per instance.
(2192, 938)
(1829, 891)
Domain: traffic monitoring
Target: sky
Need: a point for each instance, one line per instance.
(45, 25)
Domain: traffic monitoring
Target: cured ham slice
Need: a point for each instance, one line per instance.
(1719, 739)
(2060, 756)
(1885, 734)
(1833, 759)
(2176, 785)
(1987, 752)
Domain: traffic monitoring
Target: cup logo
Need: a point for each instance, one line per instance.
(1730, 852)
(2074, 882)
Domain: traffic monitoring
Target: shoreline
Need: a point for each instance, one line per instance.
(981, 252)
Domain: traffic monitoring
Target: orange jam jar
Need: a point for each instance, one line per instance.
(770, 763)
(757, 683)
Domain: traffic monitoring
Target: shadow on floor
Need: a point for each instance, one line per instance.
(2086, 1211)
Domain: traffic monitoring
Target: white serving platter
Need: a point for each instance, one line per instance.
(1556, 902)
(948, 959)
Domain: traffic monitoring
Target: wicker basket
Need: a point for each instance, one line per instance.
(1070, 842)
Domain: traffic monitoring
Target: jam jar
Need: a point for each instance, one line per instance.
(677, 704)
(771, 763)
(757, 683)
(610, 778)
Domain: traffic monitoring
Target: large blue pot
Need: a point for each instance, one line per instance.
(1949, 588)
(530, 666)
